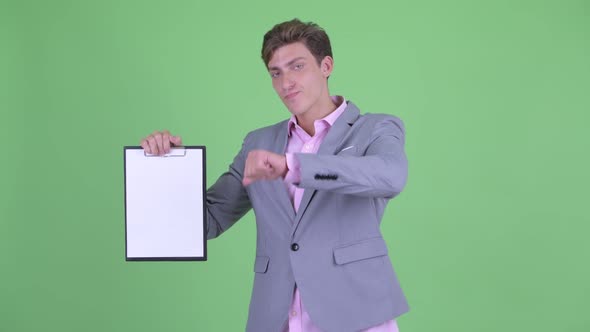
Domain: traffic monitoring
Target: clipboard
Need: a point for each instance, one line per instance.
(165, 211)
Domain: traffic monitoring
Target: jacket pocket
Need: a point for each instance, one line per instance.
(369, 248)
(261, 264)
(348, 151)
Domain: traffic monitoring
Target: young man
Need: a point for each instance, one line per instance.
(319, 183)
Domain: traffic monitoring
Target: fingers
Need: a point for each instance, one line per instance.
(159, 143)
(166, 141)
(262, 165)
(246, 181)
(153, 145)
(252, 168)
(145, 145)
(176, 140)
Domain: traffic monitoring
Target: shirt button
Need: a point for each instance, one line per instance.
(294, 247)
(294, 313)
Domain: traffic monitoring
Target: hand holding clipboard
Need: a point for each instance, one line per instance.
(159, 143)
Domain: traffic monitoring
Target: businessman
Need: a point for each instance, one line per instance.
(318, 183)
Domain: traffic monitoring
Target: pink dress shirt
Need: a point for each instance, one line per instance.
(300, 141)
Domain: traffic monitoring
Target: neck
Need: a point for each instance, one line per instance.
(317, 112)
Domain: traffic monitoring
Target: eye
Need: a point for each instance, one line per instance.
(274, 74)
(298, 66)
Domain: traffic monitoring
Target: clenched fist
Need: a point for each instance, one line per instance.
(264, 165)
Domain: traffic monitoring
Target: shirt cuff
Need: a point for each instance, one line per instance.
(293, 174)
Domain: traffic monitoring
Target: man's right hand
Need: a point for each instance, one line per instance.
(159, 143)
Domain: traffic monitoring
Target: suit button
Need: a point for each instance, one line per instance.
(294, 247)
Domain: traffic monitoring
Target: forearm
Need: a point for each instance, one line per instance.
(378, 168)
(227, 202)
(371, 176)
(227, 199)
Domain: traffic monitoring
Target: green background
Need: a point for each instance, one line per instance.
(490, 234)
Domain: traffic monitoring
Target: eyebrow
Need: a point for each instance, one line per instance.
(288, 63)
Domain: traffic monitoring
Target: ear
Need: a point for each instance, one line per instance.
(327, 65)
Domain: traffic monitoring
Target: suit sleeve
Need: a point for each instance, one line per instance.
(227, 199)
(381, 171)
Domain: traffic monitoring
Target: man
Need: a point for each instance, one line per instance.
(318, 183)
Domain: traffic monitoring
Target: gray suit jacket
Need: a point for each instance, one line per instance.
(332, 247)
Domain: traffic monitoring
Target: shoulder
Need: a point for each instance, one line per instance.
(377, 125)
(381, 120)
(371, 120)
(268, 133)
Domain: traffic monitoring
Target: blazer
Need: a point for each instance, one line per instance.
(332, 248)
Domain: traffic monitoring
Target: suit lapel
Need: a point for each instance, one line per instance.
(339, 130)
(329, 145)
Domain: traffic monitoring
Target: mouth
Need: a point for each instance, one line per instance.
(291, 95)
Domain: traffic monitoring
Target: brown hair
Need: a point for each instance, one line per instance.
(310, 34)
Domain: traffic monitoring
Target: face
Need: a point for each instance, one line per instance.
(298, 79)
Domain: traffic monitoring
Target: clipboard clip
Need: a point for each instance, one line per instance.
(174, 152)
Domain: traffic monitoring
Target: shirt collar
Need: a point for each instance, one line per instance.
(328, 120)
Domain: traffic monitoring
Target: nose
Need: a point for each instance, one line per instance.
(287, 82)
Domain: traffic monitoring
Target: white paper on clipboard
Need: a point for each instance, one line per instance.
(165, 205)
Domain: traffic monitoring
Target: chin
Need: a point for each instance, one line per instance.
(296, 110)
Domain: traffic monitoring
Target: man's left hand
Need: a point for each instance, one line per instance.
(264, 165)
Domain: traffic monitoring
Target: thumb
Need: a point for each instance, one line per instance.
(176, 140)
(246, 181)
